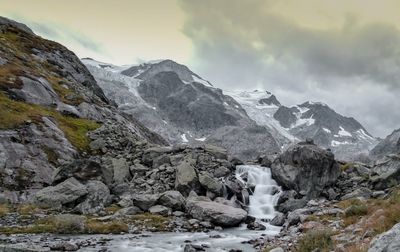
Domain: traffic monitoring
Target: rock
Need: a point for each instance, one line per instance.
(63, 193)
(22, 248)
(161, 160)
(173, 200)
(132, 210)
(278, 249)
(68, 110)
(82, 169)
(377, 194)
(311, 225)
(305, 168)
(221, 171)
(255, 226)
(144, 201)
(291, 205)
(160, 210)
(232, 202)
(265, 161)
(278, 220)
(96, 200)
(121, 170)
(193, 248)
(386, 172)
(64, 246)
(154, 152)
(216, 213)
(363, 193)
(387, 242)
(217, 152)
(186, 179)
(210, 183)
(36, 91)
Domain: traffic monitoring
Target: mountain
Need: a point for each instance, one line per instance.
(49, 102)
(171, 100)
(389, 145)
(345, 136)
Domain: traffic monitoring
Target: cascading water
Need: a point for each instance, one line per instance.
(265, 192)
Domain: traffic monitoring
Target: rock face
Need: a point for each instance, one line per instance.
(305, 168)
(389, 145)
(386, 172)
(186, 178)
(387, 242)
(217, 213)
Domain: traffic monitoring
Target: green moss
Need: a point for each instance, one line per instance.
(15, 113)
(315, 239)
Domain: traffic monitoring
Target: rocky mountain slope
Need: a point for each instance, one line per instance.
(345, 136)
(389, 145)
(171, 100)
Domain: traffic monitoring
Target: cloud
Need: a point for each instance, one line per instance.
(354, 68)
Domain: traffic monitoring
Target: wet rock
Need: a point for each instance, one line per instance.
(22, 248)
(63, 193)
(256, 226)
(278, 220)
(173, 200)
(217, 213)
(64, 246)
(193, 248)
(305, 168)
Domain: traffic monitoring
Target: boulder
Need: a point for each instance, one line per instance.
(121, 170)
(160, 210)
(82, 169)
(305, 168)
(210, 183)
(22, 248)
(144, 201)
(186, 178)
(221, 171)
(217, 152)
(278, 220)
(128, 211)
(96, 200)
(216, 213)
(63, 193)
(173, 200)
(387, 242)
(386, 172)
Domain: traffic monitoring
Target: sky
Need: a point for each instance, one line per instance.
(345, 53)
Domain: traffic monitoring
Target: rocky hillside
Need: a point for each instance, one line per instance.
(389, 145)
(182, 107)
(49, 101)
(345, 136)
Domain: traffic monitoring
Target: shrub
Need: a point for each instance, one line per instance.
(315, 239)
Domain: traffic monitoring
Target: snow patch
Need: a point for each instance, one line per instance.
(326, 130)
(201, 81)
(202, 139)
(343, 132)
(184, 139)
(335, 143)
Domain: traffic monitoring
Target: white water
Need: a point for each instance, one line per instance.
(261, 206)
(265, 196)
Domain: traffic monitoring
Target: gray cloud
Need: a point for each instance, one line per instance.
(355, 69)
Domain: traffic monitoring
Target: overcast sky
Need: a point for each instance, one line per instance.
(345, 53)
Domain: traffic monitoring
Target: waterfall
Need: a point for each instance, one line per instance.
(266, 191)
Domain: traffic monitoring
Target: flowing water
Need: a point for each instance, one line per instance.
(261, 205)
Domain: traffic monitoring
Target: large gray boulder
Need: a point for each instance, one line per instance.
(144, 201)
(97, 199)
(173, 200)
(210, 183)
(63, 193)
(387, 242)
(186, 177)
(386, 172)
(217, 213)
(305, 168)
